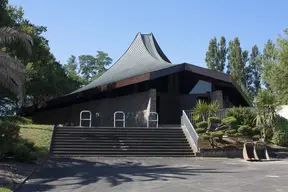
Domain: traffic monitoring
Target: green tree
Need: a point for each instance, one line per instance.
(222, 54)
(275, 69)
(92, 67)
(253, 72)
(266, 117)
(12, 71)
(279, 83)
(45, 77)
(71, 69)
(236, 62)
(216, 54)
(269, 60)
(211, 59)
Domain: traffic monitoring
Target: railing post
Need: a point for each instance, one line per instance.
(154, 120)
(85, 119)
(120, 120)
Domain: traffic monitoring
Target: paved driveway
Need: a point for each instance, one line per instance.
(159, 174)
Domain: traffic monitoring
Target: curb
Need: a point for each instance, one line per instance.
(32, 172)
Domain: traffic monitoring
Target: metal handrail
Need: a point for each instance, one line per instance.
(119, 120)
(191, 132)
(85, 119)
(153, 120)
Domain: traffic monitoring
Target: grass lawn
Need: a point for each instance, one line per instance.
(4, 189)
(40, 135)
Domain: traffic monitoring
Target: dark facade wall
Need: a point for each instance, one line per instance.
(171, 106)
(135, 106)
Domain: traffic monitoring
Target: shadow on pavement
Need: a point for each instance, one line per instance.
(81, 172)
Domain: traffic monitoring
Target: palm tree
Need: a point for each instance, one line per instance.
(204, 110)
(266, 117)
(12, 71)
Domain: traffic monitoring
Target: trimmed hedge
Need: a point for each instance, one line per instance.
(206, 136)
(229, 120)
(217, 134)
(256, 137)
(231, 132)
(202, 124)
(238, 134)
(201, 130)
(245, 130)
(214, 120)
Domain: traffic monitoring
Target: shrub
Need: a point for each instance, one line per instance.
(281, 138)
(256, 137)
(201, 130)
(202, 124)
(244, 116)
(214, 120)
(218, 134)
(8, 130)
(231, 132)
(206, 136)
(16, 119)
(29, 144)
(245, 130)
(23, 154)
(229, 120)
(238, 134)
(256, 131)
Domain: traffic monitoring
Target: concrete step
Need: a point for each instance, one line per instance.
(101, 141)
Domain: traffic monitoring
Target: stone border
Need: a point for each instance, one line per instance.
(228, 153)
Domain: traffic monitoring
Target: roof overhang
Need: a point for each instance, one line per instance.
(88, 94)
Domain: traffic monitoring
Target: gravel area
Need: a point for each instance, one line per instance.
(13, 173)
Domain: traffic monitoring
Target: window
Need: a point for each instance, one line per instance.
(201, 87)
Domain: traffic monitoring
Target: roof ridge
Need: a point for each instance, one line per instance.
(142, 56)
(153, 48)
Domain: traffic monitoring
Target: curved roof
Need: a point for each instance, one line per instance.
(144, 55)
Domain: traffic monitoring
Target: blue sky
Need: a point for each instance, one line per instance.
(183, 28)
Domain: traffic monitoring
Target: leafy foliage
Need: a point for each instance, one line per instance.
(201, 130)
(243, 116)
(266, 105)
(253, 72)
(231, 132)
(216, 54)
(92, 67)
(11, 69)
(214, 120)
(245, 130)
(269, 59)
(16, 119)
(229, 120)
(22, 153)
(236, 62)
(202, 124)
(9, 133)
(206, 136)
(203, 110)
(218, 134)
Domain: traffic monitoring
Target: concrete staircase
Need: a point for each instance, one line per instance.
(103, 141)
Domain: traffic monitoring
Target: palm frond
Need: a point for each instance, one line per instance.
(9, 35)
(12, 74)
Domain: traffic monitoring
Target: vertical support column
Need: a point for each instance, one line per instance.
(217, 96)
(173, 85)
(152, 96)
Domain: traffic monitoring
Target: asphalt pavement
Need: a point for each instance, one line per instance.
(158, 174)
